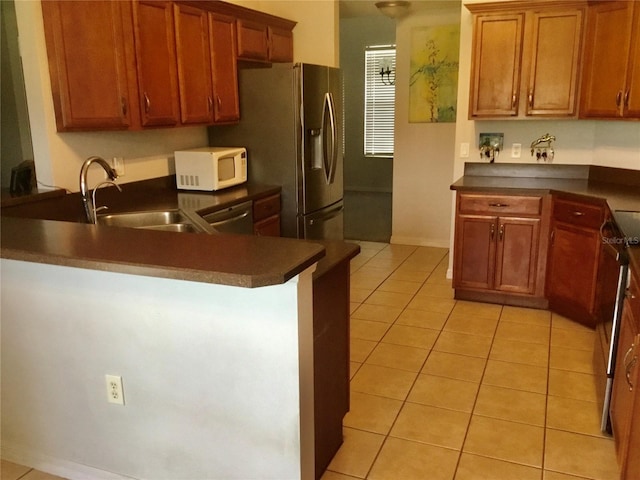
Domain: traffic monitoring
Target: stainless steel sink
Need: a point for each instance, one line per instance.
(167, 220)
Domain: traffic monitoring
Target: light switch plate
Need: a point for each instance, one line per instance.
(464, 150)
(516, 150)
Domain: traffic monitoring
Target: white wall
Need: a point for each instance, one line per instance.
(149, 153)
(424, 152)
(215, 384)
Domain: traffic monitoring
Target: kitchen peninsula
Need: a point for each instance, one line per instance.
(213, 336)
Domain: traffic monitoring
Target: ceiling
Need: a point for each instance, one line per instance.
(364, 8)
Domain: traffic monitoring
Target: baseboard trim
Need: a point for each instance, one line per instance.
(57, 466)
(419, 241)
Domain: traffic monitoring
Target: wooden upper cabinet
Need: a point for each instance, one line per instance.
(556, 46)
(222, 30)
(518, 69)
(280, 44)
(252, 40)
(611, 74)
(194, 64)
(495, 67)
(90, 64)
(156, 62)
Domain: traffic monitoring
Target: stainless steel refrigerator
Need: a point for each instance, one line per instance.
(291, 122)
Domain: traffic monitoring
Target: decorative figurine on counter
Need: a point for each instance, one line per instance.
(542, 148)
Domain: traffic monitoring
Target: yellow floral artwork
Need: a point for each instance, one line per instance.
(433, 84)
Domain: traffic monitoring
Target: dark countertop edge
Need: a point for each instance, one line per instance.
(8, 199)
(336, 252)
(124, 250)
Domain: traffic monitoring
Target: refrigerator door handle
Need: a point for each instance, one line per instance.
(330, 158)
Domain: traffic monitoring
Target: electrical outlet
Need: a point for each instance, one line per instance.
(118, 165)
(115, 394)
(516, 150)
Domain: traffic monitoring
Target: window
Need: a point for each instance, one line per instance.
(379, 100)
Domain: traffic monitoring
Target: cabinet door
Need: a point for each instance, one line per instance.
(156, 62)
(572, 272)
(252, 40)
(496, 63)
(194, 64)
(267, 227)
(553, 76)
(226, 106)
(632, 93)
(606, 55)
(625, 384)
(280, 45)
(88, 63)
(474, 254)
(517, 254)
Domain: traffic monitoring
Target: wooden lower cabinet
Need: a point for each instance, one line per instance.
(498, 254)
(574, 256)
(266, 216)
(625, 400)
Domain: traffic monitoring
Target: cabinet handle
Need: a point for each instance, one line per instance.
(514, 100)
(629, 366)
(553, 235)
(618, 98)
(210, 103)
(531, 99)
(578, 213)
(492, 231)
(219, 100)
(629, 295)
(499, 205)
(626, 98)
(123, 103)
(147, 103)
(501, 233)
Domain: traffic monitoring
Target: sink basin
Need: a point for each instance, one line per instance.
(168, 220)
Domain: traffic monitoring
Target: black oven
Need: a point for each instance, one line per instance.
(614, 270)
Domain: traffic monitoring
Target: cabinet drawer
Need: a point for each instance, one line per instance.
(266, 207)
(580, 214)
(499, 204)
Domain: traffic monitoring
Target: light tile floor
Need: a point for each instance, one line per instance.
(444, 389)
(451, 390)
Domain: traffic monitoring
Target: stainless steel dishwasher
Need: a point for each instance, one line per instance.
(235, 219)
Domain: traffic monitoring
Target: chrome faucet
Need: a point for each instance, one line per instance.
(87, 200)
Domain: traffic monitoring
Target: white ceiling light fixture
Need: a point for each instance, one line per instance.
(394, 9)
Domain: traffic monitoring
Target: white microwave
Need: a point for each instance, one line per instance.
(210, 168)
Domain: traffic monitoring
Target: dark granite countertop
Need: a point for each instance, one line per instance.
(53, 231)
(618, 188)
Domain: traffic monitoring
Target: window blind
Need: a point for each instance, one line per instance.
(379, 101)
